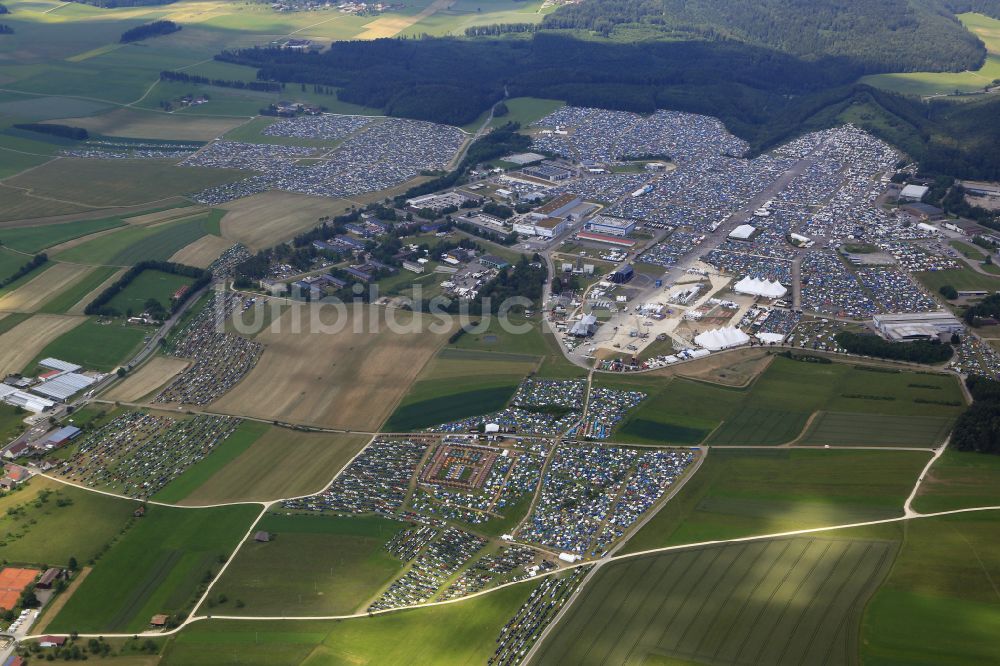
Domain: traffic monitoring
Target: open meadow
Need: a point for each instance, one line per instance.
(41, 236)
(313, 565)
(46, 522)
(261, 462)
(742, 492)
(155, 567)
(960, 479)
(142, 124)
(336, 379)
(94, 344)
(939, 603)
(793, 601)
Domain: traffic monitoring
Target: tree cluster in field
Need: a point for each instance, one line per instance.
(99, 306)
(183, 77)
(4, 10)
(978, 427)
(950, 197)
(6, 29)
(988, 308)
(865, 344)
(154, 29)
(62, 131)
(36, 261)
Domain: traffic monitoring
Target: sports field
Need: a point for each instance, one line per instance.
(940, 604)
(21, 344)
(149, 284)
(314, 565)
(31, 295)
(960, 479)
(155, 567)
(93, 345)
(743, 492)
(49, 522)
(791, 601)
(337, 379)
(264, 462)
(143, 381)
(457, 384)
(776, 406)
(453, 635)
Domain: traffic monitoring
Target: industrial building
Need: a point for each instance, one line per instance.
(623, 275)
(535, 225)
(917, 325)
(913, 192)
(604, 238)
(548, 171)
(584, 328)
(560, 206)
(612, 226)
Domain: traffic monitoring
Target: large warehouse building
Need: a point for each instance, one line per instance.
(917, 325)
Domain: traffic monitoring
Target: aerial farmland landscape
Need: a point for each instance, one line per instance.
(500, 332)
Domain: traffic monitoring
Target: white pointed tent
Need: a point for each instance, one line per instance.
(758, 287)
(721, 338)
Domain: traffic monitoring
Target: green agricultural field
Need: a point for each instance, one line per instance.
(149, 284)
(960, 479)
(10, 262)
(939, 604)
(452, 635)
(246, 433)
(744, 492)
(95, 182)
(460, 383)
(95, 346)
(11, 320)
(37, 238)
(847, 429)
(46, 522)
(959, 278)
(777, 405)
(63, 301)
(766, 602)
(155, 567)
(314, 565)
(535, 341)
(137, 243)
(526, 110)
(462, 14)
(16, 205)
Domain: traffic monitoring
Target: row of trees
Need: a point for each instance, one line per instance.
(36, 261)
(55, 129)
(183, 77)
(99, 306)
(154, 29)
(866, 344)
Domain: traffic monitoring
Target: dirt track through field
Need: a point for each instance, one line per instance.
(34, 293)
(21, 344)
(337, 380)
(151, 376)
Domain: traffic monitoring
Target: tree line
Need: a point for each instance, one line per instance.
(183, 77)
(36, 262)
(154, 29)
(866, 344)
(63, 131)
(978, 427)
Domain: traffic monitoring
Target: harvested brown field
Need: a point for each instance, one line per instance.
(267, 219)
(339, 380)
(21, 344)
(282, 463)
(30, 296)
(139, 124)
(151, 376)
(202, 252)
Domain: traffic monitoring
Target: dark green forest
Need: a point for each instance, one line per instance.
(768, 69)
